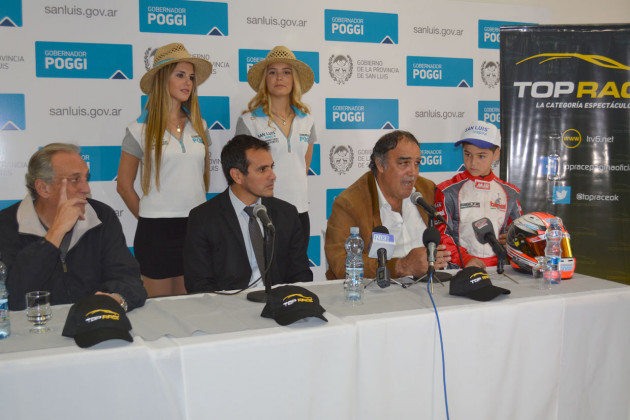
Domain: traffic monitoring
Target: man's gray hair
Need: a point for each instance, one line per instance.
(40, 165)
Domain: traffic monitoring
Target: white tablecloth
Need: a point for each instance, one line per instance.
(527, 355)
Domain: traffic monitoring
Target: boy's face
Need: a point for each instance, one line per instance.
(478, 161)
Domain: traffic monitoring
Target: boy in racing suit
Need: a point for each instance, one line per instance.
(474, 194)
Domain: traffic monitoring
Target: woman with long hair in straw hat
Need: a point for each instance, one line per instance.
(277, 116)
(169, 142)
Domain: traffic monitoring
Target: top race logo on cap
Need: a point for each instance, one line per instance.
(83, 61)
(489, 32)
(183, 17)
(349, 26)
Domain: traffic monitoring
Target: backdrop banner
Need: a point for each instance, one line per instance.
(565, 106)
(70, 71)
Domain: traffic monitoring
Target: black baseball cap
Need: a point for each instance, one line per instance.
(475, 283)
(95, 319)
(287, 304)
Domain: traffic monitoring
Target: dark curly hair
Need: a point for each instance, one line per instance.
(386, 143)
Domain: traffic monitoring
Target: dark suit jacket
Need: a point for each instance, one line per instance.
(214, 252)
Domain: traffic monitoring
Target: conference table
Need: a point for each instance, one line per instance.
(563, 354)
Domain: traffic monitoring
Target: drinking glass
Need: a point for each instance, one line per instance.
(38, 310)
(538, 272)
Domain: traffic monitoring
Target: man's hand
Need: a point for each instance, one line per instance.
(68, 212)
(503, 238)
(114, 296)
(476, 262)
(416, 262)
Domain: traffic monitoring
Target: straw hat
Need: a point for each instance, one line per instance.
(174, 53)
(281, 54)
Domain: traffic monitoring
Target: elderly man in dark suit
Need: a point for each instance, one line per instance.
(59, 240)
(219, 253)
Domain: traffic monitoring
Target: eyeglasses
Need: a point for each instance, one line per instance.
(75, 179)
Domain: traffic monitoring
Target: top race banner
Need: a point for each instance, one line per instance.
(565, 107)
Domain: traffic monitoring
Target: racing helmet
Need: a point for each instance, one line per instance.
(526, 240)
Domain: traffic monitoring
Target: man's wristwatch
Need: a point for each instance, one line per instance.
(123, 302)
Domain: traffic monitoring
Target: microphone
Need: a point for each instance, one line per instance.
(431, 239)
(260, 211)
(484, 232)
(381, 247)
(417, 199)
(381, 239)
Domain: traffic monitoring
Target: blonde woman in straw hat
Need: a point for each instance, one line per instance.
(169, 143)
(277, 116)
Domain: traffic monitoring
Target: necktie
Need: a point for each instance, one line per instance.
(257, 239)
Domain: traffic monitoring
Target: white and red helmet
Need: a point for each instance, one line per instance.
(526, 240)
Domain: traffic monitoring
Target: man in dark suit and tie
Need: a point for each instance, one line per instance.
(219, 252)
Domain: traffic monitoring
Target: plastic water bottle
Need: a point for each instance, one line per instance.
(553, 159)
(353, 284)
(5, 322)
(553, 253)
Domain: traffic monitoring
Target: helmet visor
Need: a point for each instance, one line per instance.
(537, 249)
(566, 246)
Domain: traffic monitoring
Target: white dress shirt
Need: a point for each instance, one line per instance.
(407, 227)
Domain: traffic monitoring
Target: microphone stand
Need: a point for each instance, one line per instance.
(430, 273)
(500, 261)
(268, 245)
(270, 236)
(445, 275)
